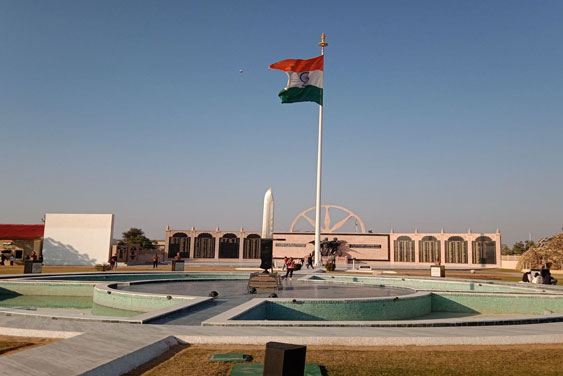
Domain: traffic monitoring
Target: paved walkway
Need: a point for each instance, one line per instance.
(111, 349)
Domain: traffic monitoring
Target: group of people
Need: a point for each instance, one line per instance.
(4, 259)
(542, 277)
(289, 264)
(33, 257)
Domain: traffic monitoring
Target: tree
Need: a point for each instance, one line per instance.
(518, 248)
(529, 244)
(137, 236)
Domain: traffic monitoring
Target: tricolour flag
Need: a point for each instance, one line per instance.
(305, 83)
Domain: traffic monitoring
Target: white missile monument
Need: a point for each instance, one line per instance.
(268, 216)
(266, 281)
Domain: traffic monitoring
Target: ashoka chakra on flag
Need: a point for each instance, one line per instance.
(305, 83)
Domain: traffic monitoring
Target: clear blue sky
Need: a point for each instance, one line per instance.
(438, 114)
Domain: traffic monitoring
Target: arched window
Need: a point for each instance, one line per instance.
(179, 242)
(404, 249)
(484, 250)
(456, 250)
(229, 245)
(429, 249)
(204, 246)
(251, 247)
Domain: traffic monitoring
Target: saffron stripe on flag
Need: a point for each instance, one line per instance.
(297, 65)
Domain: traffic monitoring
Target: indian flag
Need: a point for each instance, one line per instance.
(305, 83)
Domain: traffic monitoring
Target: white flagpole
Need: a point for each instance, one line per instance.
(318, 262)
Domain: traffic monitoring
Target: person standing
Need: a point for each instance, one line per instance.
(290, 267)
(284, 266)
(12, 259)
(310, 261)
(155, 261)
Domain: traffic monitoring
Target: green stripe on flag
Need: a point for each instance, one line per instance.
(307, 94)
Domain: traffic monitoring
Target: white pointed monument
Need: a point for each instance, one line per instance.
(266, 280)
(268, 216)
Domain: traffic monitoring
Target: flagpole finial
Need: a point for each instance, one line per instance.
(323, 43)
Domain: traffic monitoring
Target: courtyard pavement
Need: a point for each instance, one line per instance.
(98, 348)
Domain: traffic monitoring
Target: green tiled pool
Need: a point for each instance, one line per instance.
(77, 305)
(416, 306)
(319, 299)
(95, 294)
(436, 301)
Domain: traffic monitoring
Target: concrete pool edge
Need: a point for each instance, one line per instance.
(225, 320)
(143, 318)
(100, 293)
(406, 282)
(152, 306)
(482, 309)
(107, 295)
(181, 302)
(230, 317)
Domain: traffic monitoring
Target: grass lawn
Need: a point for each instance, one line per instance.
(356, 361)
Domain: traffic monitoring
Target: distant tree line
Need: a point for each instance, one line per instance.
(518, 248)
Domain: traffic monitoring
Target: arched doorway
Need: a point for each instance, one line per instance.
(429, 249)
(204, 246)
(251, 247)
(404, 249)
(229, 246)
(132, 253)
(456, 250)
(179, 242)
(484, 250)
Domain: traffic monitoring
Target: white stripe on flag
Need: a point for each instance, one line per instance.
(302, 79)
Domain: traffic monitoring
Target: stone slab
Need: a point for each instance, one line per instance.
(229, 357)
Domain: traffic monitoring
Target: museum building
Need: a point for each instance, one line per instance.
(454, 249)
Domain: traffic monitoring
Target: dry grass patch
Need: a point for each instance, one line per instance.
(491, 274)
(18, 269)
(399, 360)
(507, 275)
(9, 345)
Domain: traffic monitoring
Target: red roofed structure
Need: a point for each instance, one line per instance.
(21, 240)
(21, 232)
